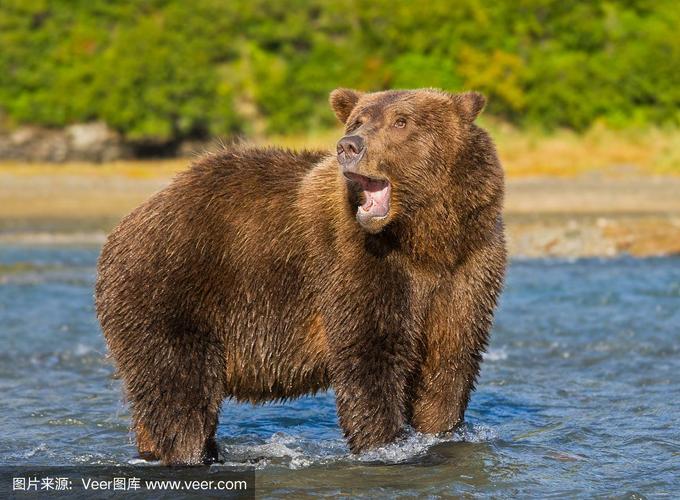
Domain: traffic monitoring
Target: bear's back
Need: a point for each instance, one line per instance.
(254, 173)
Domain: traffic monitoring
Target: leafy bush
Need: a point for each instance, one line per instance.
(162, 70)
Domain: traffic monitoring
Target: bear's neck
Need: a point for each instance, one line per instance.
(461, 216)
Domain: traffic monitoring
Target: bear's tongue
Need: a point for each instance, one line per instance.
(377, 200)
(376, 195)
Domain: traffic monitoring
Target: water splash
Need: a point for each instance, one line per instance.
(297, 452)
(416, 445)
(498, 354)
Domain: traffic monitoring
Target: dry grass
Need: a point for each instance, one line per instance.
(130, 169)
(565, 153)
(523, 153)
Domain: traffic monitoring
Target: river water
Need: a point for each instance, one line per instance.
(579, 393)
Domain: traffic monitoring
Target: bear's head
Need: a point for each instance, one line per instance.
(400, 147)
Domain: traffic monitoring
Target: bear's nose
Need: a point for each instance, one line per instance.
(350, 149)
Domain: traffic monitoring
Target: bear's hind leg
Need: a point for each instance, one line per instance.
(186, 440)
(175, 399)
(176, 427)
(145, 445)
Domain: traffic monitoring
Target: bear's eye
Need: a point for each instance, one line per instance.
(400, 123)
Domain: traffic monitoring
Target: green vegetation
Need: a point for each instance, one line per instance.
(163, 70)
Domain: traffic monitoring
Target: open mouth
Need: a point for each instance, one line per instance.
(376, 194)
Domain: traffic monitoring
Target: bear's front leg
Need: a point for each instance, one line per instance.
(456, 335)
(369, 375)
(443, 391)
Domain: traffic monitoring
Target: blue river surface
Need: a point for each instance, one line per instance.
(579, 394)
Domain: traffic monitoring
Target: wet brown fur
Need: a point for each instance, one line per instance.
(249, 277)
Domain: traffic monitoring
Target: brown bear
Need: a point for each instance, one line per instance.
(263, 274)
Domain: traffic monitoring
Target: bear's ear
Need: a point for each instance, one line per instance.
(343, 102)
(469, 104)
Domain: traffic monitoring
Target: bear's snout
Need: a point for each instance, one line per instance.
(350, 150)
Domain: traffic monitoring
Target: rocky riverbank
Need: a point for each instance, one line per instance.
(593, 215)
